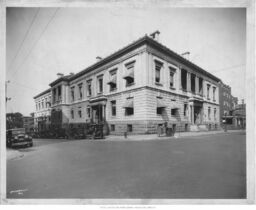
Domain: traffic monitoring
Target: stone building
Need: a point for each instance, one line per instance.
(136, 89)
(42, 115)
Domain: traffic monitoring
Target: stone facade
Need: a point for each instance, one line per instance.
(138, 88)
(42, 115)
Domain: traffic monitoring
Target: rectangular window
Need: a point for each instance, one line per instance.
(80, 90)
(185, 110)
(112, 127)
(172, 73)
(89, 87)
(129, 128)
(113, 108)
(159, 110)
(79, 112)
(193, 83)
(42, 104)
(184, 79)
(88, 110)
(215, 111)
(129, 75)
(209, 113)
(173, 112)
(200, 86)
(59, 93)
(208, 91)
(129, 111)
(100, 84)
(54, 95)
(112, 82)
(213, 91)
(158, 66)
(72, 94)
(72, 114)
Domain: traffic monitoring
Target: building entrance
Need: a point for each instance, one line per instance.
(197, 114)
(98, 113)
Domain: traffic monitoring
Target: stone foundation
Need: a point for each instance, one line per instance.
(150, 127)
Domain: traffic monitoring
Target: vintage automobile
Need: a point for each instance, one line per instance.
(18, 137)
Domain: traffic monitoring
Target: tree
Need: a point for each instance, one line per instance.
(14, 120)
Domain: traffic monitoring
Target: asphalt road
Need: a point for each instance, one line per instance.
(197, 167)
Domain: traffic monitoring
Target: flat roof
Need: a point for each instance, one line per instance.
(141, 41)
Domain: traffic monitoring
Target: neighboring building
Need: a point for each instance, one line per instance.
(28, 123)
(225, 100)
(234, 102)
(237, 118)
(136, 89)
(240, 115)
(42, 115)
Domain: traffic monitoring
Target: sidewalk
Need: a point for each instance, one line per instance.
(12, 154)
(145, 137)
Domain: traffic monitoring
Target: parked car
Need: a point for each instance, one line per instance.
(18, 137)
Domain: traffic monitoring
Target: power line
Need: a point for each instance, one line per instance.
(229, 68)
(24, 38)
(24, 86)
(52, 17)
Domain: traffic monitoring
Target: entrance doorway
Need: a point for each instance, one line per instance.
(197, 114)
(98, 113)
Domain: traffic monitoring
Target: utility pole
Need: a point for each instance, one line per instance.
(6, 98)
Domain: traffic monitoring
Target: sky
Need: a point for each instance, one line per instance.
(41, 42)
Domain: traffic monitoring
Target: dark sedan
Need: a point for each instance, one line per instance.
(18, 137)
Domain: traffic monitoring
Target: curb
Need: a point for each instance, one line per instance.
(13, 154)
(155, 137)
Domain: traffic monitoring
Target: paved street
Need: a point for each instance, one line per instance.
(209, 166)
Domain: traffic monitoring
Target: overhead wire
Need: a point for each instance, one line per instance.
(40, 36)
(24, 38)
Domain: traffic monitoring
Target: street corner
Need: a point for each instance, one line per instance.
(13, 154)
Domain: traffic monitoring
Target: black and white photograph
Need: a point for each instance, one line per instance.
(118, 101)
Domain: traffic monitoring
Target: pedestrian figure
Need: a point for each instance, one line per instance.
(159, 130)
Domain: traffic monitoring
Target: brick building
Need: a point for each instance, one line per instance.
(136, 89)
(227, 103)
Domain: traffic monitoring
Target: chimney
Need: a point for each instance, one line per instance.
(186, 55)
(155, 35)
(60, 75)
(98, 58)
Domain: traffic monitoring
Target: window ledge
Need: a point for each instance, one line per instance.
(184, 90)
(172, 88)
(113, 90)
(158, 84)
(128, 85)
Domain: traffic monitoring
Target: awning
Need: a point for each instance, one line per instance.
(128, 103)
(160, 103)
(112, 80)
(130, 74)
